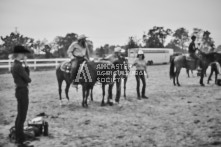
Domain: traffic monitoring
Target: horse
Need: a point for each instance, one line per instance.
(214, 68)
(182, 62)
(103, 72)
(62, 75)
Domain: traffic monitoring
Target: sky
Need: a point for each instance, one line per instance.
(107, 21)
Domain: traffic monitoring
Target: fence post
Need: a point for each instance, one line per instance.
(9, 65)
(56, 63)
(35, 64)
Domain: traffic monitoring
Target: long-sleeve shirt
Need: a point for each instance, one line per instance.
(20, 74)
(76, 50)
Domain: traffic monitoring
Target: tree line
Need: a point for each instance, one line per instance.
(155, 38)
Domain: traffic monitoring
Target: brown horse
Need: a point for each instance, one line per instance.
(181, 61)
(104, 72)
(65, 76)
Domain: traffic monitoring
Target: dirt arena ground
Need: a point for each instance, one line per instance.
(187, 116)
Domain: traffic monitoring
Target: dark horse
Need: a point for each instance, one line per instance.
(104, 72)
(65, 76)
(181, 61)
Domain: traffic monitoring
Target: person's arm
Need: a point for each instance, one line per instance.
(70, 51)
(87, 54)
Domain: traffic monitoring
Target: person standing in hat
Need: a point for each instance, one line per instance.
(78, 52)
(192, 50)
(141, 67)
(21, 80)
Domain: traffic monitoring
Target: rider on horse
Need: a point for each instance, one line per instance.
(78, 52)
(192, 50)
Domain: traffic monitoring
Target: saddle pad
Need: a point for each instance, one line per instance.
(65, 66)
(189, 58)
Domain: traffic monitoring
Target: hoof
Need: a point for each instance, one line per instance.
(111, 103)
(102, 104)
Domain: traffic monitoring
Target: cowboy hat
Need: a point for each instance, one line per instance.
(140, 52)
(117, 49)
(20, 49)
(122, 50)
(82, 37)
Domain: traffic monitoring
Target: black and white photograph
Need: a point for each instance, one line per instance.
(110, 73)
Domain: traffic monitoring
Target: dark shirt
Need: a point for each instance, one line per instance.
(20, 74)
(192, 48)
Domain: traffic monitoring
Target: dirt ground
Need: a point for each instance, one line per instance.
(186, 116)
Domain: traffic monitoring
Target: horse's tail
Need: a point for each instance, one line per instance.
(172, 73)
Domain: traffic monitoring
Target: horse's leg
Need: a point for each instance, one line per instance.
(202, 76)
(211, 73)
(87, 94)
(92, 94)
(83, 95)
(125, 83)
(177, 75)
(103, 94)
(68, 84)
(60, 90)
(109, 99)
(187, 71)
(216, 74)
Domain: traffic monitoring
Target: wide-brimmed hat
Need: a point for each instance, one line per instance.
(82, 37)
(20, 49)
(122, 50)
(140, 52)
(193, 37)
(117, 49)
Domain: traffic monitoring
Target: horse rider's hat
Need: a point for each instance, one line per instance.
(20, 49)
(117, 49)
(140, 52)
(82, 37)
(122, 50)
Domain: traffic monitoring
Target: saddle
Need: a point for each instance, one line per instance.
(189, 58)
(190, 62)
(66, 66)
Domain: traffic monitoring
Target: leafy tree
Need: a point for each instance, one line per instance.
(13, 39)
(181, 37)
(218, 49)
(156, 37)
(207, 41)
(174, 44)
(198, 33)
(62, 43)
(132, 43)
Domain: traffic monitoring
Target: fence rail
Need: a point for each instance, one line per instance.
(35, 63)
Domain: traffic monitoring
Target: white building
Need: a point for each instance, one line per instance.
(152, 55)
